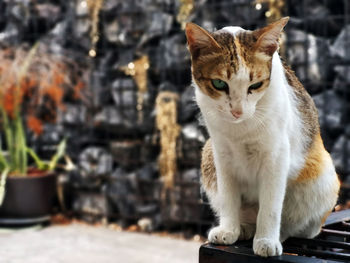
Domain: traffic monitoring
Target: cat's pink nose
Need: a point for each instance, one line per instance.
(236, 113)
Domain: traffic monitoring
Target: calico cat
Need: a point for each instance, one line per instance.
(264, 169)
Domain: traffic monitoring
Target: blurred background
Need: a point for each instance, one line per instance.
(110, 82)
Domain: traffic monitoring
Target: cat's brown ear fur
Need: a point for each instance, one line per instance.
(268, 36)
(198, 38)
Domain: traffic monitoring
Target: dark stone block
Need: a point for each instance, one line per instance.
(340, 155)
(192, 141)
(157, 24)
(188, 108)
(330, 110)
(127, 153)
(133, 153)
(121, 190)
(78, 180)
(90, 206)
(94, 165)
(73, 114)
(174, 53)
(320, 18)
(191, 175)
(310, 62)
(340, 51)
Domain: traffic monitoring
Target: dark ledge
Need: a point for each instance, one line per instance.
(331, 246)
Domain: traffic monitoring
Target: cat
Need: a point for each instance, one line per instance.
(264, 168)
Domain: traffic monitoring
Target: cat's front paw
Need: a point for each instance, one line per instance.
(266, 247)
(223, 236)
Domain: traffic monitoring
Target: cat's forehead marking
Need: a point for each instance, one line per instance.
(233, 29)
(229, 52)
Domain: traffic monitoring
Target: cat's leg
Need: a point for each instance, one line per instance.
(309, 200)
(312, 229)
(272, 184)
(224, 196)
(228, 201)
(309, 230)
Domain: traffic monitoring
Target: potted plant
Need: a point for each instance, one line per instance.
(31, 81)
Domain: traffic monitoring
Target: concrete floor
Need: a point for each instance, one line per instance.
(77, 243)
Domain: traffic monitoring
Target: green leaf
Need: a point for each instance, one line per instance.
(9, 137)
(41, 165)
(3, 162)
(3, 184)
(61, 149)
(21, 147)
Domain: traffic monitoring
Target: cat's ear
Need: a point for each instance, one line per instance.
(199, 38)
(268, 36)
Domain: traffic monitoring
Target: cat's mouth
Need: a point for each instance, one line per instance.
(231, 119)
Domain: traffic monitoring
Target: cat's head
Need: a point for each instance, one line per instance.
(232, 67)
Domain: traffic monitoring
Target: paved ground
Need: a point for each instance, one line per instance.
(78, 243)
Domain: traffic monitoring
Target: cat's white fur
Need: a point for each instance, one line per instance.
(256, 156)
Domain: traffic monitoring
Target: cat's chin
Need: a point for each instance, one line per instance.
(238, 121)
(233, 121)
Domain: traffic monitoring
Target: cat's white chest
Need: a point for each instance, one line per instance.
(245, 163)
(243, 157)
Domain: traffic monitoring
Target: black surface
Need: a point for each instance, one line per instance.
(209, 253)
(337, 217)
(326, 247)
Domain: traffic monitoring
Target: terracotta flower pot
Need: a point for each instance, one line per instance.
(28, 197)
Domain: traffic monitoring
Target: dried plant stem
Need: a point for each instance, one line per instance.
(94, 10)
(185, 10)
(166, 121)
(138, 70)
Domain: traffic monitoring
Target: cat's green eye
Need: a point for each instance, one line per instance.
(254, 86)
(219, 84)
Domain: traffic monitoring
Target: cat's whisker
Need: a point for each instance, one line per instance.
(260, 127)
(258, 117)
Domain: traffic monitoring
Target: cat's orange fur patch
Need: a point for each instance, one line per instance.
(314, 161)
